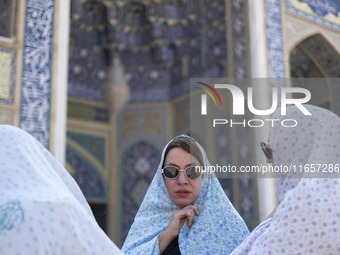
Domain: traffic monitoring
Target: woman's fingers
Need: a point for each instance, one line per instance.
(194, 208)
(177, 221)
(180, 216)
(188, 214)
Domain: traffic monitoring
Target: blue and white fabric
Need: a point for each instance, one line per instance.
(307, 219)
(218, 229)
(42, 209)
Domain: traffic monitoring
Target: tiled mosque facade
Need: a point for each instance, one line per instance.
(160, 45)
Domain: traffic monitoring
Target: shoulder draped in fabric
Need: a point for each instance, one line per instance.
(42, 209)
(217, 230)
(307, 218)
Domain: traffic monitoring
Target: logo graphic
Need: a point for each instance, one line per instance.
(239, 100)
(204, 97)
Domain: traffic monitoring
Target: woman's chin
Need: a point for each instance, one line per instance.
(183, 202)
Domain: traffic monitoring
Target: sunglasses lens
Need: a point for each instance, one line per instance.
(170, 172)
(193, 172)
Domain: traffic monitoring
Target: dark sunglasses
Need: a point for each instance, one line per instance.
(172, 172)
(266, 150)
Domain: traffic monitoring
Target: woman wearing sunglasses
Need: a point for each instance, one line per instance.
(307, 219)
(184, 211)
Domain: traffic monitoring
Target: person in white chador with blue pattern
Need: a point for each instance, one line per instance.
(307, 219)
(184, 211)
(42, 209)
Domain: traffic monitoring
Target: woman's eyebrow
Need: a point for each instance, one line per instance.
(193, 164)
(190, 164)
(172, 164)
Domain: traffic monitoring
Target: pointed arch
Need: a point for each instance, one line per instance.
(314, 56)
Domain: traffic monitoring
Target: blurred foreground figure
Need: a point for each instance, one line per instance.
(42, 209)
(307, 219)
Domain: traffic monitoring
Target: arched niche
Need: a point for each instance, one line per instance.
(315, 57)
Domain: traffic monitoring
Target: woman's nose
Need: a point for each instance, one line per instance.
(182, 179)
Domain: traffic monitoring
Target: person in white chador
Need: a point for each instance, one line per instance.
(42, 209)
(307, 219)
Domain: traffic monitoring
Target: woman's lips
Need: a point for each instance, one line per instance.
(182, 193)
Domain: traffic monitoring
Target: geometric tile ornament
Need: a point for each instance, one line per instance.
(315, 57)
(236, 189)
(37, 69)
(87, 61)
(325, 13)
(323, 53)
(181, 117)
(150, 121)
(240, 41)
(87, 112)
(93, 144)
(323, 8)
(138, 192)
(86, 175)
(7, 68)
(276, 60)
(302, 65)
(139, 163)
(223, 157)
(246, 188)
(161, 44)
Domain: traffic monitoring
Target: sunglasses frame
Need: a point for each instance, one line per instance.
(179, 170)
(266, 150)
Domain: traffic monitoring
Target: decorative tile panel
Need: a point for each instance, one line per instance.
(301, 65)
(87, 112)
(7, 70)
(145, 121)
(155, 41)
(86, 175)
(139, 163)
(223, 157)
(237, 189)
(239, 39)
(326, 13)
(322, 8)
(93, 144)
(138, 192)
(88, 56)
(325, 57)
(37, 69)
(181, 117)
(276, 59)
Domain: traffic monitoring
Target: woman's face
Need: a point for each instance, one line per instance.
(182, 190)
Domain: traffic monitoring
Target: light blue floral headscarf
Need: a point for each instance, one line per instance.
(218, 229)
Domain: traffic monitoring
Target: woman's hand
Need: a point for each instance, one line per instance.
(177, 221)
